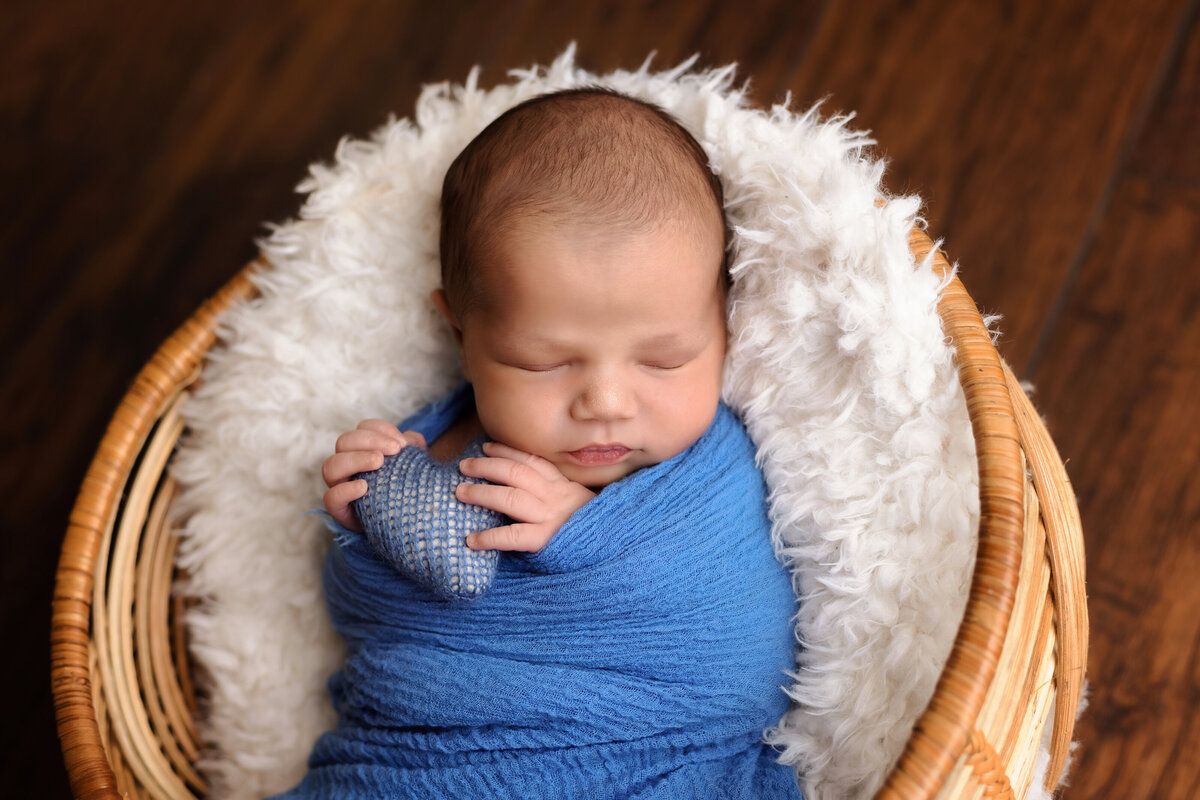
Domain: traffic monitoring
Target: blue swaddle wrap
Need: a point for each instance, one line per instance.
(641, 653)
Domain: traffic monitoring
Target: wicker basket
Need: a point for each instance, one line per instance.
(123, 693)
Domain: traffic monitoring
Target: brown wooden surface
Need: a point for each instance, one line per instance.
(146, 143)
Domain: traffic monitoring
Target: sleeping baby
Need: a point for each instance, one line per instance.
(598, 613)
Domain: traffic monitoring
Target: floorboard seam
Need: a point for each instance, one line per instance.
(1160, 81)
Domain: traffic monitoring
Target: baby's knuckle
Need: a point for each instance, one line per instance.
(494, 539)
(330, 497)
(519, 537)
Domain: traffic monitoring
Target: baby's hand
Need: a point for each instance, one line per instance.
(360, 450)
(527, 488)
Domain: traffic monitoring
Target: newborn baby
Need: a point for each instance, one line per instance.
(636, 628)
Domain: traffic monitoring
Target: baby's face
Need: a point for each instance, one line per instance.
(600, 352)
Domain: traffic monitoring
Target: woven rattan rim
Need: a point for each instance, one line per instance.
(174, 366)
(1065, 552)
(943, 730)
(941, 734)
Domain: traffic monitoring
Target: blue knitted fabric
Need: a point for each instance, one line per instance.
(413, 520)
(640, 654)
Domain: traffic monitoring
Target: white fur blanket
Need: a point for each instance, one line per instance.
(837, 361)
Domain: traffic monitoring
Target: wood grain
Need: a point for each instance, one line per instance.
(1121, 385)
(146, 144)
(1009, 118)
(1124, 388)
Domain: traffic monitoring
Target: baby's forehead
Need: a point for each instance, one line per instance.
(604, 258)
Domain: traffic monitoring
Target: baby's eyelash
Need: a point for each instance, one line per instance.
(666, 365)
(537, 367)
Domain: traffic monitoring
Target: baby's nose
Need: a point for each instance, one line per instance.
(604, 398)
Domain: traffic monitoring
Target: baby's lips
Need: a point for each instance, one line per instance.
(600, 455)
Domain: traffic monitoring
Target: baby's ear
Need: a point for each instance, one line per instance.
(438, 296)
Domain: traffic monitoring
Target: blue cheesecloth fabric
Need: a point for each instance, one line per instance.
(640, 654)
(413, 520)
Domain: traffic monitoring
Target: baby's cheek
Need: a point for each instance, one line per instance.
(516, 424)
(687, 424)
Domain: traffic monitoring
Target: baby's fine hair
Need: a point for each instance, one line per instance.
(589, 156)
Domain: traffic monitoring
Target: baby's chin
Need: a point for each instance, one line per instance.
(598, 477)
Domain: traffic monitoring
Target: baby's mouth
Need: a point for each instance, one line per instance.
(599, 454)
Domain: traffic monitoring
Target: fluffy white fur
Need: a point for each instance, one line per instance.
(837, 362)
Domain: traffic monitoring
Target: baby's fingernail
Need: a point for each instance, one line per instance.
(471, 540)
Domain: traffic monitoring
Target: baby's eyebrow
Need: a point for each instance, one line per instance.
(530, 340)
(659, 341)
(667, 340)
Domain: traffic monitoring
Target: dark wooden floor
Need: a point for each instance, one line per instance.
(1056, 144)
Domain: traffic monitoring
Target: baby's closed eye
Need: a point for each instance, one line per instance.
(539, 367)
(666, 363)
(668, 360)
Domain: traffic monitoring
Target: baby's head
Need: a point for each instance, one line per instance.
(583, 266)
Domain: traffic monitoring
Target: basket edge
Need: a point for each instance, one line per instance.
(175, 363)
(945, 726)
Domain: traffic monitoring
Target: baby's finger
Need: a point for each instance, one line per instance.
(337, 502)
(541, 465)
(519, 537)
(361, 439)
(516, 503)
(380, 426)
(340, 466)
(416, 438)
(504, 471)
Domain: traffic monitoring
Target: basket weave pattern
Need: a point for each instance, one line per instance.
(125, 701)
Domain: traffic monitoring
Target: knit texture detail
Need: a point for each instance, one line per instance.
(414, 522)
